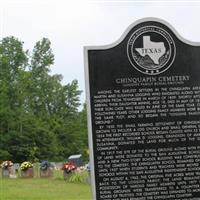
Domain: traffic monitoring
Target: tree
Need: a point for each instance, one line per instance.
(39, 117)
(13, 60)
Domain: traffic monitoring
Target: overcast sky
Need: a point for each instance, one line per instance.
(70, 25)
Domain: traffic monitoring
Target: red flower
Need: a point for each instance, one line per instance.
(69, 166)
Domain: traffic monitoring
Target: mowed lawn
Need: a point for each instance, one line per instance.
(42, 189)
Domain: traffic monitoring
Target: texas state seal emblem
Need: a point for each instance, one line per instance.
(151, 50)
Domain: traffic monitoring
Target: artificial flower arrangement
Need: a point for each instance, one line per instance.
(44, 165)
(6, 164)
(68, 167)
(26, 165)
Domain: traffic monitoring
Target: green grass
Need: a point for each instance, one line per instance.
(43, 189)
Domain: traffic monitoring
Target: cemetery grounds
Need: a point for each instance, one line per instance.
(36, 188)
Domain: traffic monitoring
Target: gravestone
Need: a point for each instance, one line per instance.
(47, 173)
(6, 172)
(76, 159)
(16, 168)
(28, 173)
(143, 96)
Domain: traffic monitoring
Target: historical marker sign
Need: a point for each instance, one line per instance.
(143, 97)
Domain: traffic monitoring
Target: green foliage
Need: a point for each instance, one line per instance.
(39, 117)
(78, 177)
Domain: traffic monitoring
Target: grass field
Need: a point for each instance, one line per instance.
(42, 189)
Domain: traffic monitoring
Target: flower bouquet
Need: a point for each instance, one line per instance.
(6, 164)
(26, 169)
(6, 168)
(46, 169)
(68, 168)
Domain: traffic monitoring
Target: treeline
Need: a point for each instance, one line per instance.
(39, 116)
